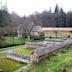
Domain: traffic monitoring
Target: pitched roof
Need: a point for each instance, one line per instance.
(37, 28)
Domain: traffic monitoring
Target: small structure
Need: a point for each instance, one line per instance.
(58, 30)
(29, 29)
(36, 30)
(19, 57)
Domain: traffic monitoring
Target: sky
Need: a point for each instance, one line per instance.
(27, 7)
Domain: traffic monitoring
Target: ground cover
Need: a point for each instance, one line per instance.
(9, 65)
(60, 61)
(8, 41)
(23, 50)
(54, 35)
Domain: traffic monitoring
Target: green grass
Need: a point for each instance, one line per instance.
(56, 63)
(9, 65)
(23, 50)
(19, 49)
(11, 48)
(9, 41)
(54, 35)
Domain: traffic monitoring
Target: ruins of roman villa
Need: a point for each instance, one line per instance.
(42, 49)
(38, 49)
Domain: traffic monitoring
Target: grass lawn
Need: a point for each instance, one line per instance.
(58, 62)
(9, 65)
(9, 41)
(54, 35)
(23, 50)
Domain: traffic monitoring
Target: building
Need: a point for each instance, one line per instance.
(36, 30)
(58, 30)
(29, 30)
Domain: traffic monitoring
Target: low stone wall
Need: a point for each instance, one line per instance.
(41, 53)
(19, 57)
(35, 44)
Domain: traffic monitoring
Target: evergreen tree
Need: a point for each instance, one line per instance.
(56, 13)
(4, 18)
(69, 19)
(62, 18)
(56, 9)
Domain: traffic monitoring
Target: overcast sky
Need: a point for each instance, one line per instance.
(27, 7)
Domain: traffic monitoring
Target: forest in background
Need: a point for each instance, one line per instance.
(9, 22)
